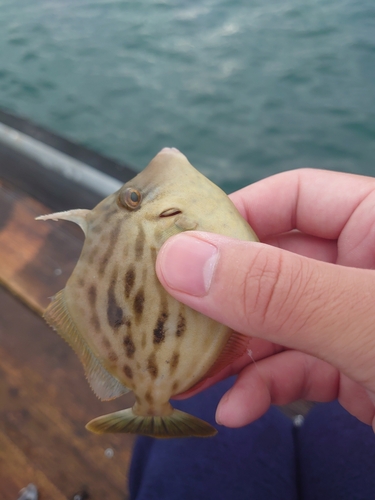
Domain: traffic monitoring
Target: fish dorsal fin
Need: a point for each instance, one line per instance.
(234, 348)
(101, 381)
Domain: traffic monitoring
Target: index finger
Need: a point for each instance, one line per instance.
(316, 202)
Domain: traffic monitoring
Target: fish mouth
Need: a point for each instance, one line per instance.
(170, 212)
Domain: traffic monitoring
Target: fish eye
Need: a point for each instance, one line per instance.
(130, 198)
(170, 212)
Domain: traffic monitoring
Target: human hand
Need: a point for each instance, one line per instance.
(305, 294)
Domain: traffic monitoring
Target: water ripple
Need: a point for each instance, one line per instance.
(245, 89)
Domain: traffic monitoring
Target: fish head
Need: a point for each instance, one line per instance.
(156, 199)
(167, 197)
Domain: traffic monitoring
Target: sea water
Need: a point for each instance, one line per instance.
(245, 88)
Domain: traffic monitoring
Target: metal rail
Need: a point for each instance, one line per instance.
(51, 159)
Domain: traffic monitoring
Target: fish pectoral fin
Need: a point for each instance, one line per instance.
(177, 424)
(104, 385)
(234, 348)
(184, 223)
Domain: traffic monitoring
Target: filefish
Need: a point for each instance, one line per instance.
(128, 332)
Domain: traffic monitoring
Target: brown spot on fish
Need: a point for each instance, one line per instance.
(81, 282)
(181, 325)
(143, 341)
(153, 254)
(91, 293)
(112, 356)
(115, 314)
(97, 228)
(103, 239)
(93, 254)
(129, 281)
(148, 397)
(159, 330)
(103, 263)
(139, 243)
(175, 386)
(95, 321)
(174, 361)
(152, 367)
(110, 214)
(138, 304)
(129, 346)
(113, 237)
(106, 343)
(128, 371)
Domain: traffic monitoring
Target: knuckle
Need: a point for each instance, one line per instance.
(259, 284)
(272, 290)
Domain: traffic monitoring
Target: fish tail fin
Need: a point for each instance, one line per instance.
(177, 424)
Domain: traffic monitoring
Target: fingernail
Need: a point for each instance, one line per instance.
(188, 263)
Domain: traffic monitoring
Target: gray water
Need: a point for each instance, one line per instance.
(245, 88)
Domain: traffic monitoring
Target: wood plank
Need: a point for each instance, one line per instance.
(45, 400)
(10, 471)
(45, 403)
(36, 257)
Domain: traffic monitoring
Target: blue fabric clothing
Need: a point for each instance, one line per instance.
(330, 457)
(336, 455)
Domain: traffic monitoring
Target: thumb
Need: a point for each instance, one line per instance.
(322, 309)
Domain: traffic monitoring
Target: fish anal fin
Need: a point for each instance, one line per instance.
(101, 381)
(177, 424)
(234, 348)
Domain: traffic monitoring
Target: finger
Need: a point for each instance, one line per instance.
(304, 244)
(319, 308)
(285, 378)
(279, 380)
(356, 400)
(257, 349)
(315, 202)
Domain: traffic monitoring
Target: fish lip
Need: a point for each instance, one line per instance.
(170, 212)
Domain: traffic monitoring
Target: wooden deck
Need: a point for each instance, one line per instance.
(45, 400)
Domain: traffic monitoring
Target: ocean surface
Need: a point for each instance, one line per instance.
(245, 88)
